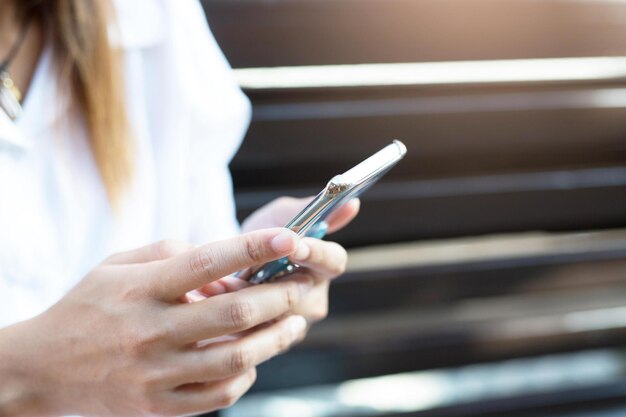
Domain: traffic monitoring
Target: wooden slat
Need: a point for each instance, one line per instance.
(258, 33)
(472, 132)
(403, 213)
(512, 156)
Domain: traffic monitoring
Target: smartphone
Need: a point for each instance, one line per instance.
(339, 190)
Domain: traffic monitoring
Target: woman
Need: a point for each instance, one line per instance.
(117, 124)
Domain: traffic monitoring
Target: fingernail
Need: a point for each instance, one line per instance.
(302, 252)
(296, 324)
(284, 241)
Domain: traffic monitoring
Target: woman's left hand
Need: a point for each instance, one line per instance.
(320, 260)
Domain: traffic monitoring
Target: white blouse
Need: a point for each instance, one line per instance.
(188, 117)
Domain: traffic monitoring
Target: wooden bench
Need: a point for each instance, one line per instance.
(501, 235)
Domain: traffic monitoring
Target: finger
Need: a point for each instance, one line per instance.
(211, 396)
(314, 307)
(324, 259)
(158, 251)
(176, 276)
(223, 286)
(342, 216)
(225, 359)
(237, 311)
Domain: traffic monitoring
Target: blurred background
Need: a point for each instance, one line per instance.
(487, 273)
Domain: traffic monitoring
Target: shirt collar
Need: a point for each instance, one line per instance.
(39, 109)
(43, 106)
(140, 24)
(10, 136)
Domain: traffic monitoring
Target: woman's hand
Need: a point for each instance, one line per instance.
(321, 260)
(122, 344)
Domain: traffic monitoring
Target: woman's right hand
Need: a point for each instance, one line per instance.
(122, 344)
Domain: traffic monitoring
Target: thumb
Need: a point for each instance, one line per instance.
(275, 214)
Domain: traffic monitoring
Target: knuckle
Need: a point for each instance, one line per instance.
(235, 389)
(200, 262)
(241, 314)
(228, 399)
(229, 396)
(253, 250)
(149, 404)
(149, 382)
(283, 341)
(131, 293)
(139, 341)
(166, 248)
(292, 295)
(241, 360)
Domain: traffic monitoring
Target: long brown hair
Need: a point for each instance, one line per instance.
(91, 67)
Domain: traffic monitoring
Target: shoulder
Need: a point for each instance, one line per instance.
(171, 39)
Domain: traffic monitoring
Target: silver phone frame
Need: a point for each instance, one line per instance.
(339, 190)
(348, 185)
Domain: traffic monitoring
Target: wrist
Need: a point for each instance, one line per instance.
(19, 384)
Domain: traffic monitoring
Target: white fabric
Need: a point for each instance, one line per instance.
(188, 116)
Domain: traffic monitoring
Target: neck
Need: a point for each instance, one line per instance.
(10, 26)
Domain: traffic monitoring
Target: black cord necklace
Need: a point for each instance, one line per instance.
(10, 95)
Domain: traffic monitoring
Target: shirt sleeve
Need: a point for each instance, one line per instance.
(219, 115)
